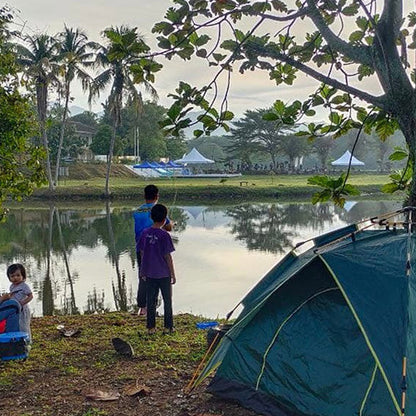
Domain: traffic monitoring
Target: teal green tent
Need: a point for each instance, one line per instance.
(328, 332)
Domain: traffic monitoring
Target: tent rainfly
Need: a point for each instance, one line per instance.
(146, 165)
(344, 160)
(328, 332)
(194, 157)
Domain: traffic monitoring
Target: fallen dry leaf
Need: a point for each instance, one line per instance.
(137, 390)
(95, 394)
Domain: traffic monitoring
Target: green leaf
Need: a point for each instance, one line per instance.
(351, 189)
(390, 188)
(356, 36)
(350, 10)
(218, 57)
(399, 154)
(362, 23)
(174, 111)
(279, 6)
(202, 40)
(229, 45)
(227, 116)
(202, 53)
(270, 117)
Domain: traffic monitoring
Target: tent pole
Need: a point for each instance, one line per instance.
(404, 386)
(191, 385)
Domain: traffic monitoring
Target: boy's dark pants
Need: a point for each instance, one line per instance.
(153, 286)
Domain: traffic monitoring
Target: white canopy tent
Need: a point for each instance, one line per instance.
(193, 158)
(344, 160)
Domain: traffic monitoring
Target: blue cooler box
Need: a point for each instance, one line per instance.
(14, 346)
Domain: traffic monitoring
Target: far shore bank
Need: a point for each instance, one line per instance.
(184, 190)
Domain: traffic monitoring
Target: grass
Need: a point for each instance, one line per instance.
(59, 370)
(188, 189)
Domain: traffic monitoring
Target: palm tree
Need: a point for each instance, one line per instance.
(39, 60)
(125, 66)
(75, 54)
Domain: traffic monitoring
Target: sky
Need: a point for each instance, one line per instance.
(250, 91)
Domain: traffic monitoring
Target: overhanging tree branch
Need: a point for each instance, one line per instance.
(359, 54)
(371, 99)
(293, 16)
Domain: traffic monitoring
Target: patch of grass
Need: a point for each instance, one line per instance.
(211, 189)
(52, 355)
(95, 412)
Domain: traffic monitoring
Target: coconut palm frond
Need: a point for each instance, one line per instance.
(100, 83)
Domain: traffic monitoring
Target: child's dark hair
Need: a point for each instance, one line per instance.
(151, 192)
(14, 267)
(158, 213)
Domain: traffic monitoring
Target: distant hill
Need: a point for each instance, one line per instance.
(74, 110)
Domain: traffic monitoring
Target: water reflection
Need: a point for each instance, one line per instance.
(273, 227)
(82, 260)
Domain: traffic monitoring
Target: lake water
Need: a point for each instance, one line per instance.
(82, 260)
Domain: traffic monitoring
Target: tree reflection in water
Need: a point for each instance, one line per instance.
(70, 307)
(272, 227)
(47, 294)
(50, 241)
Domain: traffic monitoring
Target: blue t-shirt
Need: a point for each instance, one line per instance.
(142, 220)
(154, 244)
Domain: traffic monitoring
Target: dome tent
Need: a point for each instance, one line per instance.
(331, 331)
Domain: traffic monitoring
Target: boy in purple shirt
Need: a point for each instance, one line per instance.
(157, 268)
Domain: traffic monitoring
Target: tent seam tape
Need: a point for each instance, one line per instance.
(370, 386)
(282, 325)
(367, 340)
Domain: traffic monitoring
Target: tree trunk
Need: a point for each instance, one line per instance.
(110, 158)
(61, 135)
(408, 127)
(42, 103)
(273, 157)
(48, 160)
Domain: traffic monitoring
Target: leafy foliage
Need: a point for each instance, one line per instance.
(334, 189)
(39, 59)
(350, 46)
(268, 131)
(400, 179)
(20, 162)
(125, 65)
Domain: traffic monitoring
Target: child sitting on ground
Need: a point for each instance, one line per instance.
(157, 268)
(21, 292)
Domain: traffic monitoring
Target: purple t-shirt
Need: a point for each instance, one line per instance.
(154, 244)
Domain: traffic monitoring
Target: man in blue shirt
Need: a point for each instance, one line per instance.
(142, 221)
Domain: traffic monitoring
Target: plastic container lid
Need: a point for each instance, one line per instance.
(7, 336)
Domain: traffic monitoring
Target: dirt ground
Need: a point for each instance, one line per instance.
(72, 376)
